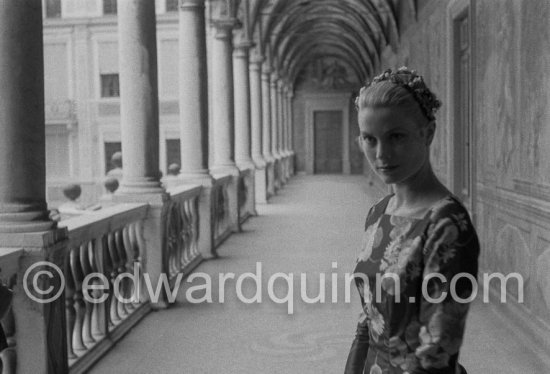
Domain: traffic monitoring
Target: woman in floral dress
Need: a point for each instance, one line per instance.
(416, 272)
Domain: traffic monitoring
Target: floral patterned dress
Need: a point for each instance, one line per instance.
(414, 313)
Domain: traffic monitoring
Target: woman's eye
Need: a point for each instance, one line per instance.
(369, 139)
(397, 136)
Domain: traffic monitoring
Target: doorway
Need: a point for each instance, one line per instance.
(327, 141)
(327, 122)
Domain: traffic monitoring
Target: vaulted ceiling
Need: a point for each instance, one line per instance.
(292, 33)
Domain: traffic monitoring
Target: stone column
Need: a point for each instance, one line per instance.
(266, 128)
(223, 121)
(41, 345)
(241, 84)
(275, 128)
(139, 112)
(193, 92)
(139, 118)
(280, 132)
(22, 140)
(222, 87)
(291, 129)
(244, 162)
(193, 104)
(260, 186)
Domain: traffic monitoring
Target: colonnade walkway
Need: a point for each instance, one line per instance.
(314, 222)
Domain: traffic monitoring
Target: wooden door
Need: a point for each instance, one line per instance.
(327, 141)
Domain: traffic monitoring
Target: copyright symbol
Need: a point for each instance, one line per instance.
(38, 271)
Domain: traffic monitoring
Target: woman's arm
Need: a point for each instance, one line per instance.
(358, 351)
(450, 252)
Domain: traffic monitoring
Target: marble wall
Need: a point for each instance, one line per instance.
(511, 120)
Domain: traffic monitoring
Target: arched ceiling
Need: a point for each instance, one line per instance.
(293, 33)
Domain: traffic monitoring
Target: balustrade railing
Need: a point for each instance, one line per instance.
(220, 209)
(105, 254)
(181, 230)
(9, 265)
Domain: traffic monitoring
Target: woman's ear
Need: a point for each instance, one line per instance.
(430, 132)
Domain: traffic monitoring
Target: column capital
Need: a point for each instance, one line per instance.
(244, 45)
(190, 5)
(241, 49)
(224, 27)
(266, 71)
(256, 59)
(274, 79)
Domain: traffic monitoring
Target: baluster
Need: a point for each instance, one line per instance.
(135, 240)
(196, 220)
(70, 312)
(128, 264)
(78, 343)
(86, 256)
(8, 355)
(183, 235)
(114, 317)
(98, 321)
(188, 219)
(225, 200)
(121, 253)
(173, 240)
(218, 213)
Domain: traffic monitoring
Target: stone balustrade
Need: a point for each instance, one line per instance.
(181, 231)
(109, 243)
(222, 225)
(246, 194)
(9, 260)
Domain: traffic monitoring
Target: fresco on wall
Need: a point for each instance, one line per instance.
(497, 89)
(327, 74)
(543, 280)
(535, 97)
(512, 254)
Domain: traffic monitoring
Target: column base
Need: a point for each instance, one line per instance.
(20, 218)
(259, 162)
(139, 187)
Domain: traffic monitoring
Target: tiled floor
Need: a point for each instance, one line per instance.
(313, 226)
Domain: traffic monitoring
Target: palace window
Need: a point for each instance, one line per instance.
(109, 85)
(109, 7)
(52, 8)
(171, 5)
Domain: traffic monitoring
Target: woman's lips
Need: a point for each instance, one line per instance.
(387, 169)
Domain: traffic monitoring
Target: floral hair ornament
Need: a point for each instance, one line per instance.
(412, 82)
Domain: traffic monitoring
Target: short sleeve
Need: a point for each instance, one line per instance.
(450, 255)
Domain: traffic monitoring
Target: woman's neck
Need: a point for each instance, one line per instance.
(417, 193)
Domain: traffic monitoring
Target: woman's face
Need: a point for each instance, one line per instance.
(396, 146)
